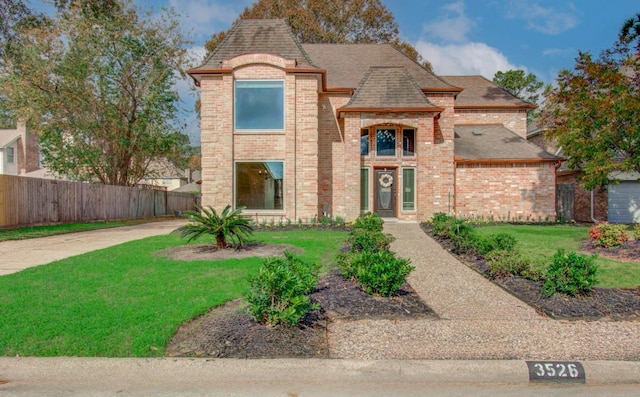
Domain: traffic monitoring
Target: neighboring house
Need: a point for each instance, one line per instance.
(18, 151)
(165, 174)
(616, 203)
(305, 130)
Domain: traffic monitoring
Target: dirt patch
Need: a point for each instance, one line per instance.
(197, 252)
(601, 304)
(227, 331)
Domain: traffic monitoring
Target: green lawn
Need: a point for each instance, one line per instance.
(22, 233)
(125, 300)
(539, 243)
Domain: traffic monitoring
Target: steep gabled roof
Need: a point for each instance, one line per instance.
(7, 137)
(495, 142)
(346, 64)
(249, 36)
(482, 93)
(389, 89)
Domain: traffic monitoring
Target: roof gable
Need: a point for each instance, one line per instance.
(495, 142)
(248, 36)
(388, 89)
(480, 92)
(346, 64)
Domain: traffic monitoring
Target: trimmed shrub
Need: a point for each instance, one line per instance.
(279, 293)
(379, 272)
(607, 235)
(364, 240)
(464, 237)
(442, 224)
(570, 273)
(506, 262)
(369, 221)
(497, 242)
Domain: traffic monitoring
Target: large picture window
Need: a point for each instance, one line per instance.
(259, 105)
(386, 142)
(259, 185)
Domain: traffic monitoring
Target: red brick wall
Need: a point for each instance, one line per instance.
(515, 120)
(515, 191)
(296, 145)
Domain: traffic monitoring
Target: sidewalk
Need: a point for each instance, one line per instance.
(16, 255)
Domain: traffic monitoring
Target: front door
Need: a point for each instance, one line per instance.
(385, 193)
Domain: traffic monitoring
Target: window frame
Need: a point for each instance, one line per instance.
(365, 204)
(404, 151)
(235, 104)
(395, 142)
(368, 135)
(236, 204)
(11, 153)
(404, 189)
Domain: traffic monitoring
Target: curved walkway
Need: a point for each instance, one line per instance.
(478, 320)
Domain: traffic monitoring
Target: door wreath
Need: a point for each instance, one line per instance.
(385, 180)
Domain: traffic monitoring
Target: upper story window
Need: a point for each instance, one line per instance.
(364, 142)
(408, 142)
(385, 142)
(259, 105)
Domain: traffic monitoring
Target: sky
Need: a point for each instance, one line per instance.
(462, 37)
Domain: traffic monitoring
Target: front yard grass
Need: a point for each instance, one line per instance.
(125, 300)
(539, 243)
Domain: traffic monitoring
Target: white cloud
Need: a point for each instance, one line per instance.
(465, 59)
(547, 20)
(202, 18)
(451, 25)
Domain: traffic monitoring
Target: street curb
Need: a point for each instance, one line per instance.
(135, 372)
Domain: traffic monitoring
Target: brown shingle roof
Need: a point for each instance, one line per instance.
(495, 142)
(270, 36)
(389, 88)
(480, 92)
(346, 64)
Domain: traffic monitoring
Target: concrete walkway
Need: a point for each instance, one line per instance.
(478, 320)
(16, 255)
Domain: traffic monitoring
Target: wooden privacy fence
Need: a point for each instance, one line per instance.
(31, 201)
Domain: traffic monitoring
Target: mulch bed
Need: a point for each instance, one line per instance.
(600, 304)
(228, 331)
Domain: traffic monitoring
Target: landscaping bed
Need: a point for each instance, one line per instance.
(601, 303)
(228, 331)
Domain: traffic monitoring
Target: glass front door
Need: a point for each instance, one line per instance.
(385, 192)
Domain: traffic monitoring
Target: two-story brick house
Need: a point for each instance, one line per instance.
(302, 130)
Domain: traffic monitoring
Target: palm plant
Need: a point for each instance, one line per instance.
(229, 224)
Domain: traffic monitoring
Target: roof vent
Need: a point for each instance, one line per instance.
(476, 133)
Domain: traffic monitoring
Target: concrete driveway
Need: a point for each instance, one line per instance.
(17, 255)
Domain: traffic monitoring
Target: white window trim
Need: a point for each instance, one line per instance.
(415, 190)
